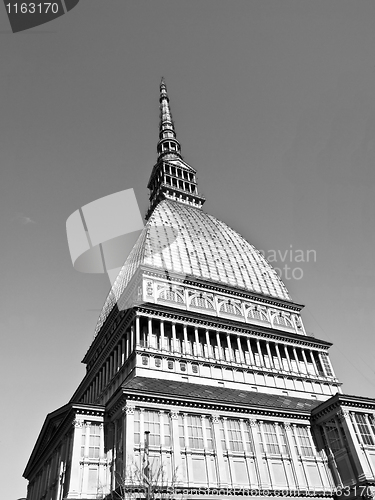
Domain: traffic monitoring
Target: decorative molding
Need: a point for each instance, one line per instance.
(174, 415)
(77, 423)
(343, 414)
(149, 288)
(128, 409)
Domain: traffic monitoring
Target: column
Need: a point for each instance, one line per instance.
(111, 365)
(314, 362)
(137, 332)
(177, 464)
(252, 360)
(219, 345)
(305, 361)
(128, 437)
(197, 346)
(186, 344)
(288, 358)
(174, 340)
(76, 457)
(102, 472)
(161, 347)
(279, 357)
(242, 359)
(100, 382)
(149, 332)
(229, 347)
(222, 479)
(259, 455)
(124, 349)
(269, 354)
(296, 461)
(209, 348)
(131, 333)
(260, 353)
(296, 360)
(356, 451)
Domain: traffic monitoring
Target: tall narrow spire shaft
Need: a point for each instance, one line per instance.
(172, 178)
(168, 145)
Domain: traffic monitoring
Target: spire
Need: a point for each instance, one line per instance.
(171, 178)
(168, 145)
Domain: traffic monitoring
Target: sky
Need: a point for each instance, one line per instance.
(274, 105)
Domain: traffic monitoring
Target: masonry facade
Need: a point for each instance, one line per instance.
(200, 344)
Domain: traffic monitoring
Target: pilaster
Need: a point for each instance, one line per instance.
(74, 490)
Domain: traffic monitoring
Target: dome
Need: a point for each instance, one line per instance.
(186, 241)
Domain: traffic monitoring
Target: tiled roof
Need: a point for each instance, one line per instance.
(185, 240)
(218, 395)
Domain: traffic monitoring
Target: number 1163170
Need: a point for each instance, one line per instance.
(32, 8)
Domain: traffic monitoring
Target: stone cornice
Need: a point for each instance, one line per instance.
(47, 443)
(223, 324)
(180, 401)
(342, 400)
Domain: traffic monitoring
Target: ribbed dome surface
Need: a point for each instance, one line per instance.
(185, 240)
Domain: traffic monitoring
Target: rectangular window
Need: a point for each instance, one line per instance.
(234, 435)
(152, 424)
(304, 441)
(83, 442)
(137, 428)
(222, 436)
(363, 428)
(181, 431)
(283, 440)
(270, 437)
(333, 435)
(94, 441)
(372, 423)
(195, 432)
(248, 438)
(209, 434)
(167, 430)
(326, 364)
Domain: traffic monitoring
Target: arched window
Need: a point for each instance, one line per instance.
(258, 314)
(203, 301)
(231, 308)
(281, 320)
(171, 296)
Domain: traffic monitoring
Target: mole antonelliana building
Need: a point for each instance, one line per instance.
(200, 343)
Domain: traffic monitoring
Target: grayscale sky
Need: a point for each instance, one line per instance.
(274, 104)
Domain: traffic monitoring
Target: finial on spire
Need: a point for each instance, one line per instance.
(168, 145)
